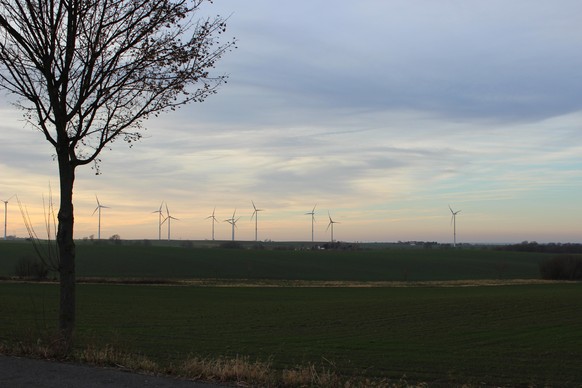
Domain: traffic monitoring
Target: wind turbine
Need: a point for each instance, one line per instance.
(98, 209)
(213, 221)
(233, 222)
(331, 222)
(6, 213)
(312, 213)
(256, 215)
(454, 222)
(169, 218)
(160, 222)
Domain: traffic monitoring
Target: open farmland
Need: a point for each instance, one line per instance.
(527, 334)
(397, 264)
(504, 335)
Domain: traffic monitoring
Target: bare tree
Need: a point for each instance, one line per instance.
(89, 72)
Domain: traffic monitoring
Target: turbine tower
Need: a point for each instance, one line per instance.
(169, 218)
(160, 222)
(6, 214)
(331, 222)
(454, 223)
(312, 214)
(213, 221)
(98, 210)
(256, 215)
(233, 222)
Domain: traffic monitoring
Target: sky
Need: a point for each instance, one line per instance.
(382, 114)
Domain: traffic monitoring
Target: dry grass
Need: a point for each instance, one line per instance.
(310, 376)
(299, 283)
(359, 284)
(110, 356)
(45, 346)
(316, 283)
(239, 370)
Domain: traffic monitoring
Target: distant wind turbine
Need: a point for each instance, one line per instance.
(6, 214)
(233, 222)
(312, 214)
(256, 215)
(98, 210)
(169, 218)
(213, 221)
(331, 222)
(454, 222)
(160, 222)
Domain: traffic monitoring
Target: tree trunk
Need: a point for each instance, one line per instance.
(66, 246)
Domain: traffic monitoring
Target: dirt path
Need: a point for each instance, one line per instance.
(16, 372)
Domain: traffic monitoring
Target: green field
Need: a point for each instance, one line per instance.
(142, 261)
(505, 335)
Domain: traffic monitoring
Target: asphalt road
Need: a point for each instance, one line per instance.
(16, 372)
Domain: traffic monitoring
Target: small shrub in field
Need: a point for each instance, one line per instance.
(562, 267)
(29, 268)
(187, 244)
(258, 246)
(231, 245)
(116, 239)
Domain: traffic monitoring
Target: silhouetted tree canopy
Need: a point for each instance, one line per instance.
(93, 70)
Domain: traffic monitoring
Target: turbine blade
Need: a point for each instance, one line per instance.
(7, 200)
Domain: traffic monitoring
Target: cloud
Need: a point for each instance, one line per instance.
(486, 60)
(382, 113)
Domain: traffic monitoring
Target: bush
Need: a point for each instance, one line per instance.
(562, 267)
(29, 268)
(231, 245)
(187, 244)
(116, 239)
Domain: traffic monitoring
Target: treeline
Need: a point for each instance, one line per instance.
(566, 265)
(532, 246)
